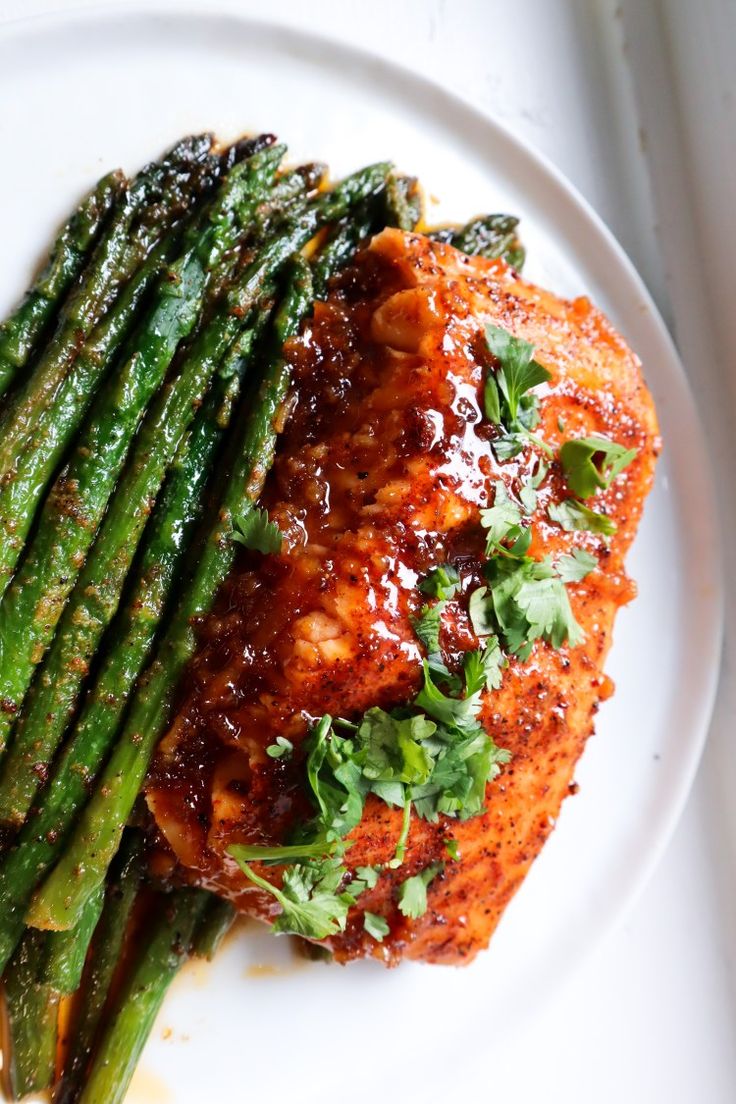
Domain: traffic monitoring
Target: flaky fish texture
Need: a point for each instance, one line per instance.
(381, 473)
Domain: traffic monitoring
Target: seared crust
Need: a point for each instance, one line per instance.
(381, 473)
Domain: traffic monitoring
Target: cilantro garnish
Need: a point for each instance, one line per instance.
(592, 463)
(502, 520)
(312, 904)
(453, 850)
(255, 530)
(572, 515)
(375, 925)
(506, 397)
(413, 892)
(366, 877)
(443, 581)
(525, 600)
(576, 566)
(282, 749)
(528, 493)
(483, 667)
(427, 627)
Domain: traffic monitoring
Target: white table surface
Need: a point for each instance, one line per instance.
(652, 1016)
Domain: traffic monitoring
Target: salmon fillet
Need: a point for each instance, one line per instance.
(382, 472)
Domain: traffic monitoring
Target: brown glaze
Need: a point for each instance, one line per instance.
(380, 474)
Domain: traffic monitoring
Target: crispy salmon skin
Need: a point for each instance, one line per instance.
(382, 471)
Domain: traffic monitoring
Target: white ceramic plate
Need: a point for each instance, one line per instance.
(84, 93)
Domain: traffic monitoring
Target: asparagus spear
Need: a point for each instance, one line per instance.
(94, 600)
(136, 1007)
(32, 1013)
(60, 900)
(134, 228)
(38, 427)
(21, 332)
(32, 605)
(65, 951)
(487, 236)
(165, 542)
(403, 202)
(217, 919)
(120, 896)
(340, 247)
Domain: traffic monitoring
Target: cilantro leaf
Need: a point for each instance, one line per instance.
(453, 849)
(517, 371)
(572, 515)
(502, 520)
(592, 463)
(376, 926)
(576, 566)
(413, 892)
(366, 877)
(311, 904)
(483, 667)
(526, 600)
(427, 626)
(283, 748)
(452, 711)
(546, 606)
(255, 530)
(443, 581)
(528, 493)
(391, 749)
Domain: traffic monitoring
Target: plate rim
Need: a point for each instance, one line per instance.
(672, 799)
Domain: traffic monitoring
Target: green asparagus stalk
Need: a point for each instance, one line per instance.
(41, 426)
(22, 331)
(403, 202)
(217, 920)
(32, 1013)
(120, 896)
(136, 1007)
(340, 247)
(60, 900)
(71, 515)
(65, 952)
(135, 227)
(94, 600)
(132, 636)
(487, 236)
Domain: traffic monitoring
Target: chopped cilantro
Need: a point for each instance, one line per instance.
(517, 371)
(506, 396)
(282, 749)
(452, 849)
(413, 892)
(255, 530)
(525, 600)
(572, 515)
(502, 520)
(366, 877)
(443, 581)
(592, 463)
(576, 566)
(427, 627)
(483, 667)
(375, 925)
(528, 497)
(528, 493)
(312, 904)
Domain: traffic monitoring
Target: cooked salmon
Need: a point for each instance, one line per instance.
(382, 471)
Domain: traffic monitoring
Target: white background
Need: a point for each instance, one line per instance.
(635, 104)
